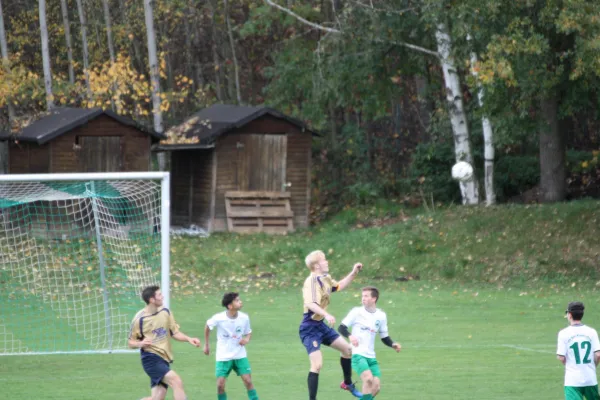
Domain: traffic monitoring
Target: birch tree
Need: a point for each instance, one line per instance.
(46, 55)
(444, 53)
(488, 136)
(84, 47)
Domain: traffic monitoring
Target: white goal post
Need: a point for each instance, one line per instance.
(76, 250)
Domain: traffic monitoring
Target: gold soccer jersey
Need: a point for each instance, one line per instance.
(317, 289)
(159, 327)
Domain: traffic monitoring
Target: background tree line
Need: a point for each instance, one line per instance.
(399, 89)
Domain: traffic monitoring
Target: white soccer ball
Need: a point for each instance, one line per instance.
(462, 171)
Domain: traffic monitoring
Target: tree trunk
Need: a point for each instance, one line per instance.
(84, 46)
(488, 139)
(67, 27)
(553, 179)
(216, 62)
(154, 77)
(189, 53)
(46, 55)
(134, 44)
(236, 71)
(9, 105)
(456, 109)
(107, 21)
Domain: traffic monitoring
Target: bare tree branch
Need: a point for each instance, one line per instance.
(303, 20)
(337, 31)
(384, 10)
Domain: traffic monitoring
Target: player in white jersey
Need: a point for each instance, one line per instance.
(233, 334)
(366, 322)
(579, 350)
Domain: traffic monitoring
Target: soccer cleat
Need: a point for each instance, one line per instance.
(351, 388)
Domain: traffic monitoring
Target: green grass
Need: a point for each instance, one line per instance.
(459, 342)
(477, 318)
(503, 246)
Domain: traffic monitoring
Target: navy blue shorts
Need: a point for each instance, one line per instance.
(156, 368)
(313, 334)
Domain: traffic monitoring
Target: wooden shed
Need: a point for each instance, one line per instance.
(80, 140)
(249, 171)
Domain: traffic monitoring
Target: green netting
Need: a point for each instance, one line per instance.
(55, 239)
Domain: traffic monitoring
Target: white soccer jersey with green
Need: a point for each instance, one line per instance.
(578, 343)
(365, 325)
(229, 333)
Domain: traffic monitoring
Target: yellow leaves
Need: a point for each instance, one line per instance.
(585, 164)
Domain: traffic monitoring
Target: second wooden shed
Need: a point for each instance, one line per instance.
(249, 171)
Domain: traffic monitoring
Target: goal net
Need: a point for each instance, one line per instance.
(75, 252)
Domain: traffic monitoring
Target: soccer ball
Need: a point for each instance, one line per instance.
(462, 171)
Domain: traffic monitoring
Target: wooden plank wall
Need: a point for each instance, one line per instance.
(297, 166)
(298, 174)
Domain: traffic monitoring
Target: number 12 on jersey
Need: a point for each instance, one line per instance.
(587, 346)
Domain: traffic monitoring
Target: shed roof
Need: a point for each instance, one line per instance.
(64, 119)
(218, 119)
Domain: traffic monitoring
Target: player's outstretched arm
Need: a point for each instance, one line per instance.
(350, 277)
(206, 340)
(182, 337)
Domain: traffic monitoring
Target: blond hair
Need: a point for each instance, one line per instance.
(313, 258)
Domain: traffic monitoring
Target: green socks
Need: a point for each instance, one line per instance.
(251, 395)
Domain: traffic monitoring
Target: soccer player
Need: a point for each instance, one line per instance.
(314, 330)
(366, 322)
(579, 351)
(233, 334)
(151, 329)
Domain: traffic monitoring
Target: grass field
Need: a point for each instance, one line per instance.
(458, 343)
(475, 295)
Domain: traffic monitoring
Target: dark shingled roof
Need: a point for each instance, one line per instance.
(62, 120)
(218, 119)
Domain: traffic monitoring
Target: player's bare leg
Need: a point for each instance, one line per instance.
(316, 361)
(368, 384)
(376, 386)
(220, 385)
(247, 379)
(175, 382)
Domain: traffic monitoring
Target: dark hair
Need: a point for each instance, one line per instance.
(149, 293)
(576, 309)
(228, 298)
(374, 291)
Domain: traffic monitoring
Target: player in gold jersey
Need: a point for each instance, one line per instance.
(314, 330)
(151, 331)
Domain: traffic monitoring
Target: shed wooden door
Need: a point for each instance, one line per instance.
(100, 153)
(262, 162)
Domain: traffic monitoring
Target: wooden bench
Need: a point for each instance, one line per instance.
(257, 211)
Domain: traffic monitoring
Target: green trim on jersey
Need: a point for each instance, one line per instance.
(361, 364)
(581, 393)
(241, 366)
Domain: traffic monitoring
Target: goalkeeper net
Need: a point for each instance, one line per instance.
(75, 252)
